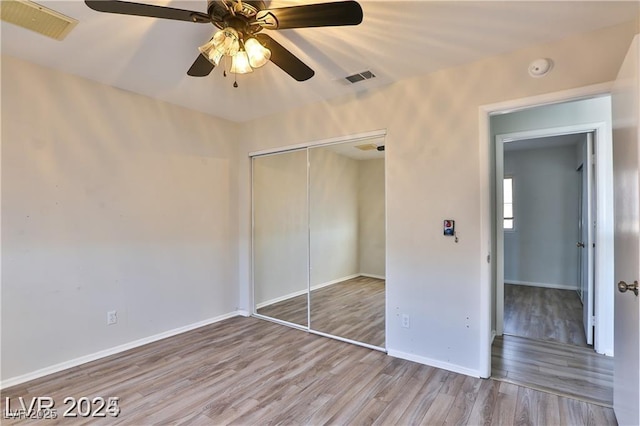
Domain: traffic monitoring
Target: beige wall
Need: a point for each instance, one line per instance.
(541, 250)
(341, 219)
(333, 216)
(434, 173)
(110, 201)
(371, 217)
(280, 226)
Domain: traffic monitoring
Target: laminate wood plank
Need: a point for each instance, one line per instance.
(578, 372)
(438, 410)
(248, 371)
(483, 408)
(524, 414)
(353, 309)
(544, 314)
(505, 408)
(548, 409)
(581, 375)
(421, 403)
(399, 405)
(463, 404)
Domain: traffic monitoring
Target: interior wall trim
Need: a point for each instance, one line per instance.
(114, 350)
(434, 363)
(329, 141)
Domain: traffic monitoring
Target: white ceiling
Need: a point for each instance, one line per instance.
(397, 40)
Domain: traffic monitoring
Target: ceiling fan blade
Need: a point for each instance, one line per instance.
(286, 60)
(311, 15)
(139, 9)
(201, 67)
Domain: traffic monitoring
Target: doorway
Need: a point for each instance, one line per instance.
(601, 241)
(547, 290)
(543, 246)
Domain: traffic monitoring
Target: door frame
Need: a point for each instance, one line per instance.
(603, 255)
(487, 238)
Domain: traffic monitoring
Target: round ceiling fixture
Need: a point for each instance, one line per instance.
(540, 67)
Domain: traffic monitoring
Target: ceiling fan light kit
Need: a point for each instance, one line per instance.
(239, 34)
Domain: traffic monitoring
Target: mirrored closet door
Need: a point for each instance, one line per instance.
(319, 239)
(347, 241)
(280, 237)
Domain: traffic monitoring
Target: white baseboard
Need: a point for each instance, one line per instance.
(281, 298)
(243, 313)
(379, 277)
(112, 351)
(332, 282)
(434, 363)
(493, 336)
(301, 292)
(545, 285)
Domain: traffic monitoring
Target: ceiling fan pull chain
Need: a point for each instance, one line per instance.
(224, 68)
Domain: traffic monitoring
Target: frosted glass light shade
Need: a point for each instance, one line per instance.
(258, 54)
(240, 63)
(227, 40)
(211, 53)
(224, 42)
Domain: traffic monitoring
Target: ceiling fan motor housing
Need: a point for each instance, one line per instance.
(221, 17)
(219, 11)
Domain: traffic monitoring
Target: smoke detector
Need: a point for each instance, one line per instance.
(540, 67)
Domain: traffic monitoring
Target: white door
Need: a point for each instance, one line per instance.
(626, 160)
(586, 243)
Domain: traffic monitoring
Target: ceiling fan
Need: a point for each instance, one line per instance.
(239, 33)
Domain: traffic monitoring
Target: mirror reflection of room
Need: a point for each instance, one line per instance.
(280, 236)
(347, 240)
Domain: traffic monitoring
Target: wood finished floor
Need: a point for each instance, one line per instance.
(353, 309)
(544, 346)
(544, 314)
(554, 367)
(248, 371)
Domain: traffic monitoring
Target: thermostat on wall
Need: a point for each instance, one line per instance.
(449, 227)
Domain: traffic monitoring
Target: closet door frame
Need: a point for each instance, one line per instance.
(282, 150)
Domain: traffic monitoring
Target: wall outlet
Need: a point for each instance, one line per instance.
(112, 317)
(406, 321)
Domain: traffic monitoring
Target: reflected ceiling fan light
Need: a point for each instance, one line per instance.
(240, 63)
(258, 54)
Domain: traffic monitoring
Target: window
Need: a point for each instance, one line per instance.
(508, 203)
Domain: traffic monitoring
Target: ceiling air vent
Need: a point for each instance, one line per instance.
(34, 17)
(366, 147)
(364, 75)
